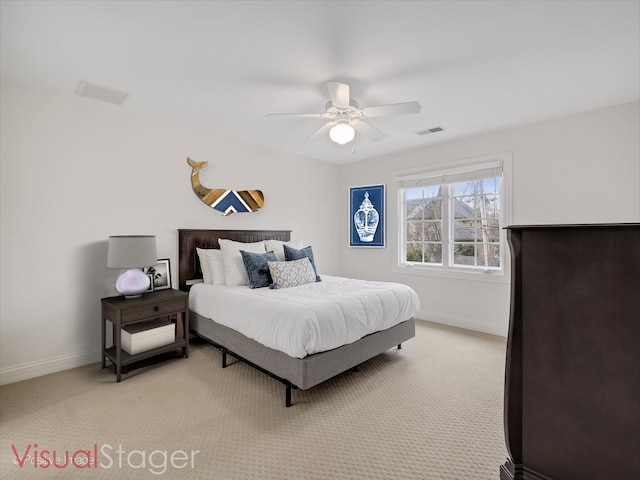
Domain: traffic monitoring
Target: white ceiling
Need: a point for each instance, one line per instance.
(220, 66)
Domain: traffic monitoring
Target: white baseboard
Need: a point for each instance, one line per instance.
(463, 323)
(37, 369)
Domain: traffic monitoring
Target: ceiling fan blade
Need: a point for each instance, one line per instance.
(295, 115)
(391, 109)
(367, 130)
(320, 132)
(339, 93)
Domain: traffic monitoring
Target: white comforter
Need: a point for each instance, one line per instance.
(309, 318)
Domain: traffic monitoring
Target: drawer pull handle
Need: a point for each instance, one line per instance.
(156, 308)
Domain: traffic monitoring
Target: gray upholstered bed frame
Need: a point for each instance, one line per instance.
(294, 373)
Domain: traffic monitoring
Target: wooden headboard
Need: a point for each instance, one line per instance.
(188, 240)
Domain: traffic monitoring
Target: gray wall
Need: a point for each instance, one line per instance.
(74, 171)
(582, 168)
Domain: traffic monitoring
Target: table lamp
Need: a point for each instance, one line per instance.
(132, 252)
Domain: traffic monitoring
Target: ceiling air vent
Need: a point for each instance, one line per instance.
(430, 131)
(98, 92)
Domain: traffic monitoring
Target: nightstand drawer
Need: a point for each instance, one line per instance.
(153, 310)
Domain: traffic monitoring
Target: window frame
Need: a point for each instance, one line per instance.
(448, 269)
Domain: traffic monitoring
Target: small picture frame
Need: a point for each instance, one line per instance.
(367, 216)
(160, 275)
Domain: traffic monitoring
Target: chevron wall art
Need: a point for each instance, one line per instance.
(223, 200)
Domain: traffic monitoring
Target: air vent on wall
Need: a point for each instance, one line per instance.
(430, 130)
(98, 92)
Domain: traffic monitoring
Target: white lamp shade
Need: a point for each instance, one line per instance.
(132, 251)
(342, 133)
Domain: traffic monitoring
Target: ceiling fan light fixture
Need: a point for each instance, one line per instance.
(344, 116)
(342, 133)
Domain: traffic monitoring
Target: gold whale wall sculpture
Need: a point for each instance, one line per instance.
(225, 201)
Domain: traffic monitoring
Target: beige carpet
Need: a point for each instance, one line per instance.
(432, 410)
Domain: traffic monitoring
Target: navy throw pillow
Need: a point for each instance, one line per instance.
(257, 268)
(291, 253)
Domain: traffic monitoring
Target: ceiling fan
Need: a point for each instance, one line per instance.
(346, 117)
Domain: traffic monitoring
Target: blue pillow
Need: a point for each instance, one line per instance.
(291, 253)
(257, 268)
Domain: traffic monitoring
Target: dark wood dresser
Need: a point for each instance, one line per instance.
(572, 383)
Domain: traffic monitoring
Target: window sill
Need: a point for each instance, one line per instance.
(493, 276)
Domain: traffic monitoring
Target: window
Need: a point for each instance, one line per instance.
(452, 219)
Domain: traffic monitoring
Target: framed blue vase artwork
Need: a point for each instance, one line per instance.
(366, 216)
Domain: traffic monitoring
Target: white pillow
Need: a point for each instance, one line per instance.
(276, 246)
(291, 273)
(216, 265)
(207, 276)
(234, 272)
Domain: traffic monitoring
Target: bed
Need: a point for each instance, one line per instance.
(302, 371)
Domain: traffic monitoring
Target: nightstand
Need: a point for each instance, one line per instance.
(121, 311)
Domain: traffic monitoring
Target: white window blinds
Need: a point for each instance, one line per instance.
(454, 175)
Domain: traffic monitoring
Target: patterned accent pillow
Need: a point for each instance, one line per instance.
(291, 274)
(295, 254)
(257, 269)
